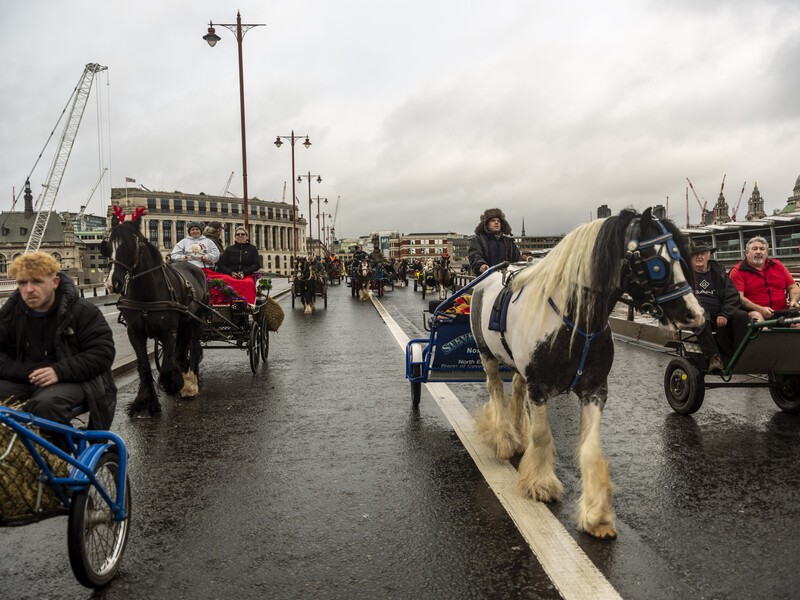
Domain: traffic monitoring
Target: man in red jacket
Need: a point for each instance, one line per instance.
(764, 284)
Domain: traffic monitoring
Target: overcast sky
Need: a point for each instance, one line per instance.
(421, 113)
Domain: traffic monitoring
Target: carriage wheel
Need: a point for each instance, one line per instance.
(684, 386)
(416, 386)
(95, 540)
(253, 346)
(785, 392)
(264, 343)
(158, 353)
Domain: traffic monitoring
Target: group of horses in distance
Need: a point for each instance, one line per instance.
(556, 337)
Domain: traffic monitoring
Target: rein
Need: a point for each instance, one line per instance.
(586, 336)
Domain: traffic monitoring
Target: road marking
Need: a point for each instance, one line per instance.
(570, 570)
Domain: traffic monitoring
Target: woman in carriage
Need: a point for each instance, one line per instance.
(195, 248)
(236, 266)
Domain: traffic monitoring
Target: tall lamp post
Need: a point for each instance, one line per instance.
(300, 180)
(212, 38)
(319, 238)
(327, 230)
(293, 138)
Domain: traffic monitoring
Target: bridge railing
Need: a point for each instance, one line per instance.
(93, 290)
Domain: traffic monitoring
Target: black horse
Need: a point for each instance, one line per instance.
(158, 301)
(304, 284)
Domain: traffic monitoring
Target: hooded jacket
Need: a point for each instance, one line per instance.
(479, 247)
(84, 349)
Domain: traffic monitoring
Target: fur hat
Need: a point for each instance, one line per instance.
(192, 224)
(491, 213)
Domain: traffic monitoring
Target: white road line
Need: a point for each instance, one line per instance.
(570, 570)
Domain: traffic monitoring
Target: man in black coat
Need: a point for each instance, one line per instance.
(240, 258)
(723, 310)
(56, 349)
(492, 243)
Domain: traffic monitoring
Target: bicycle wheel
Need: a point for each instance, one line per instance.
(95, 540)
(264, 343)
(254, 346)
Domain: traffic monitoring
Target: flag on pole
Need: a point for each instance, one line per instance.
(130, 180)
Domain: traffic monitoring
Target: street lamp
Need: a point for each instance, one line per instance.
(300, 180)
(319, 238)
(212, 38)
(293, 138)
(327, 230)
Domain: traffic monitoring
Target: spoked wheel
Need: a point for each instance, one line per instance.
(416, 386)
(253, 346)
(96, 541)
(785, 392)
(158, 353)
(264, 345)
(684, 386)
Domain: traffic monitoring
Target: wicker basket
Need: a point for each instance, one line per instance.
(23, 496)
(272, 313)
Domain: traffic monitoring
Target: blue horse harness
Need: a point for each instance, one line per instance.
(652, 272)
(646, 273)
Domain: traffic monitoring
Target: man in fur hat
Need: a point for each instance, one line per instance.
(492, 243)
(213, 231)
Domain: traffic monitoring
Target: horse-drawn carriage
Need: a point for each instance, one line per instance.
(548, 323)
(334, 271)
(48, 469)
(308, 283)
(767, 356)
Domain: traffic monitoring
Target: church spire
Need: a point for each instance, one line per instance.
(523, 226)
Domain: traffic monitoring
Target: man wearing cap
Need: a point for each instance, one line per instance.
(196, 248)
(764, 283)
(212, 232)
(492, 243)
(718, 296)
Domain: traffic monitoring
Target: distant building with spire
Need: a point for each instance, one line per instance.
(721, 210)
(793, 202)
(755, 205)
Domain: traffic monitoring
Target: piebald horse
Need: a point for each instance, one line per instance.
(556, 339)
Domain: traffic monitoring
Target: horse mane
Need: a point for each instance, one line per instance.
(586, 259)
(133, 227)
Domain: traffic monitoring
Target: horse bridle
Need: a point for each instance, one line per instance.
(650, 274)
(130, 274)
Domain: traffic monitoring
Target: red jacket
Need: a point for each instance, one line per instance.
(766, 287)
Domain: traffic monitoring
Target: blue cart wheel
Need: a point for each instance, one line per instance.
(416, 386)
(96, 541)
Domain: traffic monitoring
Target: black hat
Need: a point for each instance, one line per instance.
(696, 249)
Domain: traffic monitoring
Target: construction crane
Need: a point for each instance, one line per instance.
(53, 182)
(80, 218)
(703, 206)
(225, 191)
(333, 222)
(738, 202)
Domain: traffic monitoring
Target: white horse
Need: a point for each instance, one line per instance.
(557, 339)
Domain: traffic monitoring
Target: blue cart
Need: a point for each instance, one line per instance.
(449, 354)
(83, 476)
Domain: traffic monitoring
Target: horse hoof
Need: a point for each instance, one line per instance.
(602, 531)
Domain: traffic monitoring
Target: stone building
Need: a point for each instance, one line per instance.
(58, 239)
(270, 223)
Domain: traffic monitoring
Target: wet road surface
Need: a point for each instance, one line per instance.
(315, 478)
